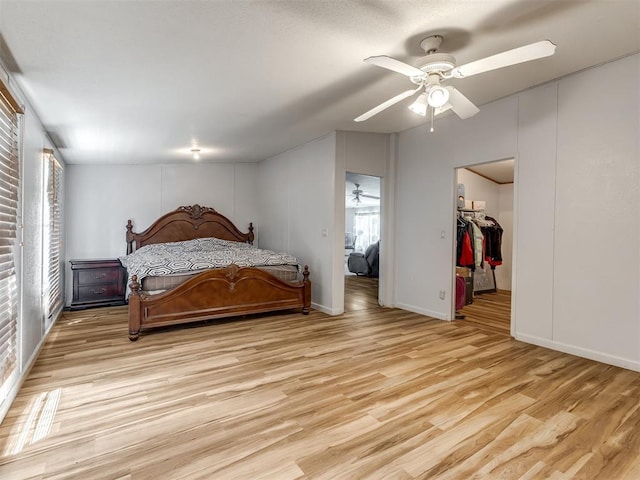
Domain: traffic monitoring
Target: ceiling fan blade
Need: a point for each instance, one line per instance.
(387, 104)
(395, 65)
(446, 107)
(461, 105)
(527, 53)
(366, 195)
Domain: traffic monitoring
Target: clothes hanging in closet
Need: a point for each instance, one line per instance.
(478, 239)
(478, 245)
(493, 242)
(464, 244)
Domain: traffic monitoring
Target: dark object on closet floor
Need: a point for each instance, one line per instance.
(468, 293)
(461, 288)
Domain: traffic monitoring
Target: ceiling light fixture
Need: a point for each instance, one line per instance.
(420, 105)
(196, 153)
(437, 96)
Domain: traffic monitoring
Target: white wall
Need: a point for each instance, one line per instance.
(365, 153)
(368, 154)
(479, 188)
(30, 258)
(101, 198)
(302, 194)
(577, 226)
(597, 241)
(32, 262)
(505, 219)
(296, 204)
(425, 182)
(532, 300)
(424, 206)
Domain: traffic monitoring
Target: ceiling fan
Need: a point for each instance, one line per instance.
(442, 66)
(357, 193)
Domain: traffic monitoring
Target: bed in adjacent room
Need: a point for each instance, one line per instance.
(194, 264)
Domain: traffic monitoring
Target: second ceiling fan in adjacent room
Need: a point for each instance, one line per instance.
(358, 194)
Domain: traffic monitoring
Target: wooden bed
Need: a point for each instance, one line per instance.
(216, 293)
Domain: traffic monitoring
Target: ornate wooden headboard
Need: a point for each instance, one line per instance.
(187, 223)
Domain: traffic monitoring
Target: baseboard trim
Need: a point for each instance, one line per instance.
(327, 310)
(423, 311)
(580, 352)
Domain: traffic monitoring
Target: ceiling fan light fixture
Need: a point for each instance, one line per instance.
(438, 96)
(442, 66)
(420, 105)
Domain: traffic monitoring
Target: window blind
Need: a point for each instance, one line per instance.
(53, 233)
(9, 183)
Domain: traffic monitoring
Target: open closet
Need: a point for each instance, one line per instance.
(483, 244)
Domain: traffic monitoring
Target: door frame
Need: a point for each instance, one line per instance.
(513, 243)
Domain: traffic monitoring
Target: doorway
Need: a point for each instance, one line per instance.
(484, 245)
(362, 241)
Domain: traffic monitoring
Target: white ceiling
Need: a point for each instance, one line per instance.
(144, 81)
(499, 172)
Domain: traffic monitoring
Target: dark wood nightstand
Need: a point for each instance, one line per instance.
(97, 283)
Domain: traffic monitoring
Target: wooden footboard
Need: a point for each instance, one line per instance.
(224, 292)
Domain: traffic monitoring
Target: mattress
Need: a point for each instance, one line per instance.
(162, 266)
(159, 283)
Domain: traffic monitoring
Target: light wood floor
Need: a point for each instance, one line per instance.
(490, 311)
(360, 293)
(371, 394)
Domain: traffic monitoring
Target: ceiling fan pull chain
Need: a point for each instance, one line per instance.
(432, 115)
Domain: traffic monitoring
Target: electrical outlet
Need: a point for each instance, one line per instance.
(442, 294)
